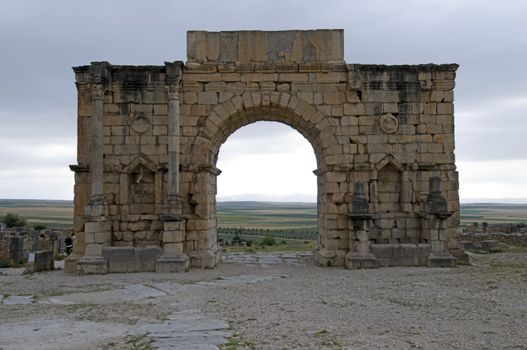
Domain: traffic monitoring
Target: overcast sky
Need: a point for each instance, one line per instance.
(41, 40)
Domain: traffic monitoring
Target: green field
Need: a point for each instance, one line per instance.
(267, 215)
(493, 213)
(50, 213)
(259, 216)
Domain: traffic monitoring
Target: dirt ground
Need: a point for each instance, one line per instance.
(270, 302)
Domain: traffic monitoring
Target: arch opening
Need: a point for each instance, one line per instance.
(267, 186)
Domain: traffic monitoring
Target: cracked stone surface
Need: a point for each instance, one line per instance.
(187, 329)
(279, 306)
(18, 300)
(266, 259)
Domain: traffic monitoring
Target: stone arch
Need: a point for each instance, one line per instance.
(229, 116)
(249, 107)
(351, 114)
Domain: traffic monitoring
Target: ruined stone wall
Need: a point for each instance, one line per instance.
(13, 249)
(515, 239)
(389, 127)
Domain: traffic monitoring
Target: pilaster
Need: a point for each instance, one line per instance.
(96, 227)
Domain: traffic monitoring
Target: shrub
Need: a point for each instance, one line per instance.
(13, 220)
(267, 241)
(236, 239)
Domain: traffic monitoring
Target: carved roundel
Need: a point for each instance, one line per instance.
(389, 123)
(140, 124)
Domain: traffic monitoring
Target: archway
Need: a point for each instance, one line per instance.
(174, 118)
(239, 111)
(267, 187)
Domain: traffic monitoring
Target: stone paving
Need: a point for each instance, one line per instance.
(267, 259)
(268, 307)
(185, 328)
(17, 300)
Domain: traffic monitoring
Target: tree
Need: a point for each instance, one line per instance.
(13, 220)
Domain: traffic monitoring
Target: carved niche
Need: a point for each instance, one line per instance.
(140, 184)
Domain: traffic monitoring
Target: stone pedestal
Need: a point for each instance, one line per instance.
(436, 213)
(361, 262)
(70, 264)
(439, 255)
(173, 259)
(88, 265)
(206, 259)
(96, 236)
(359, 255)
(173, 263)
(325, 257)
(441, 259)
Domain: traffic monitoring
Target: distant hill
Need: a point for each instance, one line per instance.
(50, 213)
(34, 203)
(276, 215)
(492, 201)
(259, 197)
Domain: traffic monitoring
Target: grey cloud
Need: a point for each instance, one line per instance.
(41, 40)
(261, 138)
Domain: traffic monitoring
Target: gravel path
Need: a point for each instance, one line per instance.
(271, 301)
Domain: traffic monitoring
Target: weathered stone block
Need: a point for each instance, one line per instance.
(232, 79)
(258, 46)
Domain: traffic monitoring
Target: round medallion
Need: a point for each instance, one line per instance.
(389, 124)
(140, 124)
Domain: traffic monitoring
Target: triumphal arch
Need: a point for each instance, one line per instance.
(149, 137)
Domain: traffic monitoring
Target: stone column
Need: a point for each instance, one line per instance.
(96, 162)
(173, 195)
(96, 233)
(173, 259)
(359, 255)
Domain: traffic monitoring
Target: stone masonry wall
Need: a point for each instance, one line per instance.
(389, 127)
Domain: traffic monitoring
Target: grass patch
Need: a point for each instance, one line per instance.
(324, 339)
(140, 342)
(515, 249)
(237, 342)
